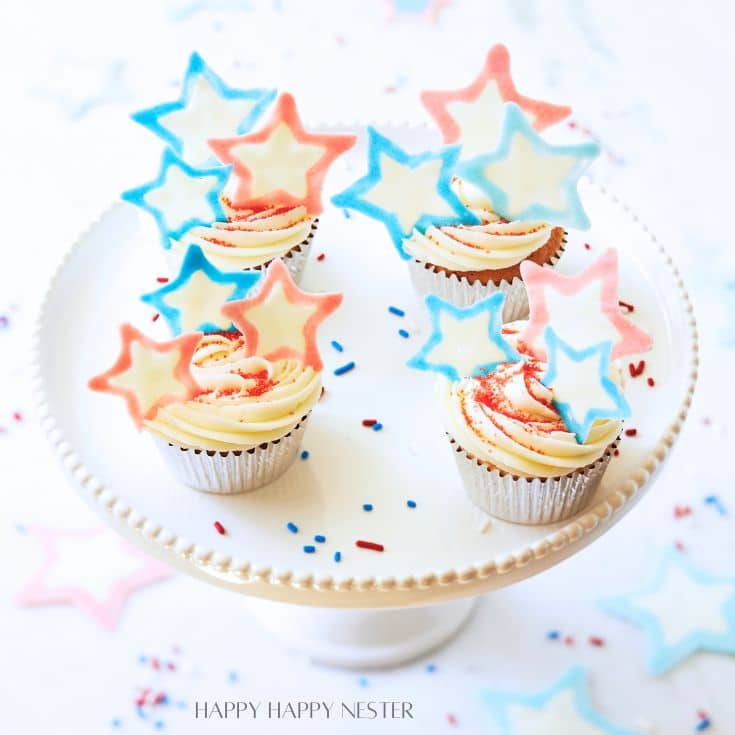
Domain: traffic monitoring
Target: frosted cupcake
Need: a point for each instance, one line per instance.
(533, 410)
(227, 404)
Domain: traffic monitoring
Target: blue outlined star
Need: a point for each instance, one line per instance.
(181, 197)
(405, 191)
(528, 178)
(464, 341)
(207, 108)
(562, 709)
(580, 380)
(682, 610)
(192, 302)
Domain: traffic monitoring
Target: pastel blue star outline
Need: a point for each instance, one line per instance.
(501, 194)
(478, 346)
(573, 683)
(153, 118)
(193, 264)
(209, 200)
(580, 425)
(379, 148)
(662, 655)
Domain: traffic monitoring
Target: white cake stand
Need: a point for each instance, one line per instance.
(371, 609)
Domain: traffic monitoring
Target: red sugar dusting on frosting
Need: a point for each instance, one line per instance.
(625, 305)
(636, 370)
(631, 432)
(219, 528)
(651, 382)
(262, 383)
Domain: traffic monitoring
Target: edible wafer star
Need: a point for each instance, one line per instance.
(280, 164)
(583, 309)
(194, 299)
(581, 383)
(527, 178)
(181, 197)
(564, 708)
(150, 374)
(207, 108)
(473, 115)
(682, 610)
(464, 341)
(404, 191)
(281, 320)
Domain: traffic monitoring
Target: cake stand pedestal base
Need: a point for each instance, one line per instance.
(362, 639)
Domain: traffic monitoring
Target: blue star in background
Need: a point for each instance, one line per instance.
(192, 301)
(566, 702)
(181, 197)
(581, 383)
(682, 611)
(464, 341)
(207, 108)
(404, 191)
(528, 178)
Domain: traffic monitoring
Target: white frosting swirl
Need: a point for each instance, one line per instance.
(248, 239)
(507, 419)
(492, 245)
(246, 401)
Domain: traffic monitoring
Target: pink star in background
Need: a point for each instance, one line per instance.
(583, 309)
(94, 569)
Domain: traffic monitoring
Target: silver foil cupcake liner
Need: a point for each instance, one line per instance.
(525, 500)
(460, 292)
(231, 472)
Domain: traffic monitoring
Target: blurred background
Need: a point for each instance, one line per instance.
(651, 82)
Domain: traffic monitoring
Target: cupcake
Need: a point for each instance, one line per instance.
(227, 404)
(533, 423)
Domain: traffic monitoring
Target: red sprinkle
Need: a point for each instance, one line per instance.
(706, 421)
(571, 124)
(628, 307)
(171, 666)
(596, 641)
(587, 246)
(369, 422)
(636, 370)
(651, 382)
(680, 511)
(569, 641)
(155, 316)
(616, 453)
(680, 546)
(162, 279)
(156, 664)
(702, 714)
(160, 697)
(631, 432)
(369, 545)
(220, 528)
(321, 395)
(17, 416)
(451, 719)
(321, 256)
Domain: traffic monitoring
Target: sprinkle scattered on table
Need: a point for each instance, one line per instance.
(321, 256)
(636, 370)
(596, 641)
(628, 307)
(369, 422)
(344, 368)
(337, 346)
(320, 539)
(305, 454)
(403, 333)
(367, 506)
(377, 426)
(291, 526)
(716, 503)
(309, 549)
(219, 528)
(631, 432)
(411, 503)
(338, 556)
(553, 635)
(395, 310)
(371, 545)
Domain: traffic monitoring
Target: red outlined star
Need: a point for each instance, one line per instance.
(281, 321)
(582, 309)
(281, 164)
(483, 100)
(150, 374)
(93, 569)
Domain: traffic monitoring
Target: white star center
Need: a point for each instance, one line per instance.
(479, 121)
(182, 198)
(199, 301)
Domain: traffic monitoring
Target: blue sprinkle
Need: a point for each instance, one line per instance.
(702, 725)
(363, 682)
(344, 368)
(181, 705)
(117, 722)
(163, 699)
(395, 310)
(411, 503)
(320, 539)
(338, 556)
(20, 528)
(715, 501)
(159, 724)
(233, 677)
(305, 454)
(346, 213)
(367, 506)
(292, 527)
(142, 659)
(403, 333)
(378, 426)
(337, 346)
(430, 668)
(553, 635)
(309, 549)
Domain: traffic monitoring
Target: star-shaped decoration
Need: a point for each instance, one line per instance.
(181, 197)
(150, 374)
(564, 708)
(428, 10)
(193, 300)
(528, 178)
(581, 383)
(207, 108)
(473, 115)
(583, 309)
(281, 164)
(281, 320)
(405, 191)
(464, 341)
(682, 610)
(93, 569)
